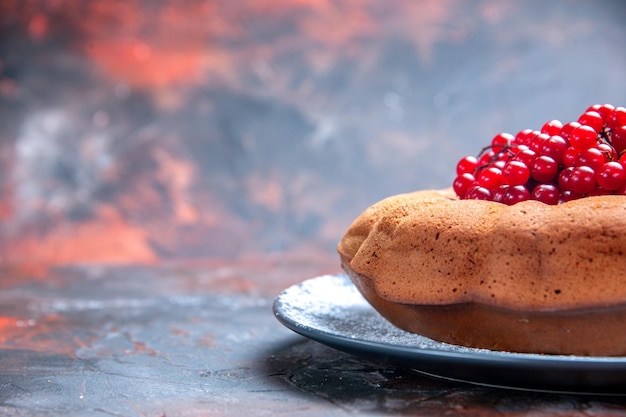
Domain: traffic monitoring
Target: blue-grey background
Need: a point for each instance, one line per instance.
(140, 131)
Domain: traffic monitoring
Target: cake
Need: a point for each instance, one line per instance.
(523, 277)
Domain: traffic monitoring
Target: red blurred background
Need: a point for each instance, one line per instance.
(138, 131)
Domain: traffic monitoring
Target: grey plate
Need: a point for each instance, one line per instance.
(330, 310)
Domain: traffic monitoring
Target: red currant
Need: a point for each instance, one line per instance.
(592, 119)
(617, 117)
(516, 194)
(500, 163)
(554, 147)
(563, 179)
(567, 129)
(610, 154)
(560, 162)
(597, 190)
(583, 137)
(523, 137)
(490, 177)
(621, 190)
(462, 183)
(592, 157)
(500, 141)
(552, 127)
(499, 193)
(478, 193)
(569, 195)
(467, 164)
(611, 176)
(485, 158)
(515, 173)
(618, 135)
(546, 193)
(526, 156)
(544, 169)
(603, 109)
(582, 179)
(570, 157)
(537, 141)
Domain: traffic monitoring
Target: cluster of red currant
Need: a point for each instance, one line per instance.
(559, 163)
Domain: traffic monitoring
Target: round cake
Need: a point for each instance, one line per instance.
(525, 253)
(530, 277)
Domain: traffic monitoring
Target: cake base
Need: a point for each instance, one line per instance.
(583, 332)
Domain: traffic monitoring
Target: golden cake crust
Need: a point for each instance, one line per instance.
(429, 248)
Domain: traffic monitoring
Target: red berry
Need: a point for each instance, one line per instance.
(597, 190)
(544, 169)
(583, 137)
(616, 118)
(490, 177)
(621, 190)
(603, 109)
(560, 162)
(523, 137)
(546, 193)
(570, 157)
(567, 129)
(554, 147)
(618, 138)
(478, 193)
(593, 107)
(485, 158)
(500, 141)
(552, 127)
(499, 193)
(537, 141)
(611, 176)
(610, 154)
(582, 179)
(527, 156)
(462, 183)
(563, 179)
(569, 195)
(466, 164)
(516, 194)
(592, 119)
(516, 150)
(592, 157)
(515, 173)
(500, 163)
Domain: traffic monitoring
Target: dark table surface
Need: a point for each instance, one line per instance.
(197, 340)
